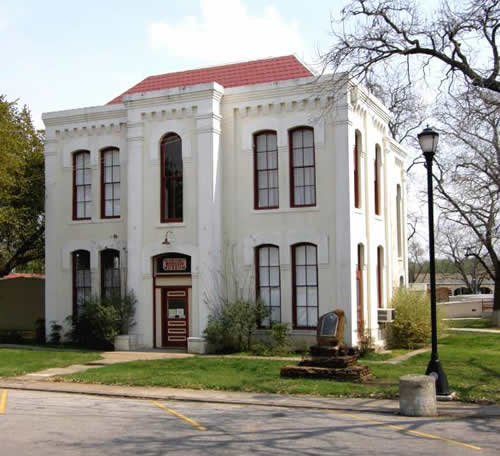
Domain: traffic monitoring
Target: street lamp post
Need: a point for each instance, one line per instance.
(428, 140)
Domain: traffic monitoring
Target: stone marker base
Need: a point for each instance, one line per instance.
(352, 373)
(339, 362)
(321, 351)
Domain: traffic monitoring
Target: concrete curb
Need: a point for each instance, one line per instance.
(379, 406)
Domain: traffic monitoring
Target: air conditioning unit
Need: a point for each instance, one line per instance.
(385, 315)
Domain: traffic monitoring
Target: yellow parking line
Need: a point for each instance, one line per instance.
(3, 401)
(408, 431)
(181, 416)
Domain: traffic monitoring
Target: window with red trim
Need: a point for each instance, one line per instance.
(357, 145)
(305, 285)
(359, 290)
(110, 273)
(380, 260)
(399, 228)
(82, 186)
(376, 178)
(110, 183)
(302, 167)
(266, 183)
(268, 282)
(81, 278)
(171, 178)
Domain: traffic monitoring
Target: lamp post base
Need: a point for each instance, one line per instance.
(434, 369)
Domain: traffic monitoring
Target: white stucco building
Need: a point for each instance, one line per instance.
(257, 162)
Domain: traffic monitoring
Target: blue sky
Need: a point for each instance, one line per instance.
(67, 54)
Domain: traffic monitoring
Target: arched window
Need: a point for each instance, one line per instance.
(110, 183)
(359, 289)
(82, 180)
(399, 226)
(171, 178)
(267, 262)
(302, 165)
(380, 266)
(266, 183)
(81, 278)
(356, 164)
(376, 179)
(305, 285)
(110, 273)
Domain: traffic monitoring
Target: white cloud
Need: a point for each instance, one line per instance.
(226, 32)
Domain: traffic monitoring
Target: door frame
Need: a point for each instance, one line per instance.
(164, 309)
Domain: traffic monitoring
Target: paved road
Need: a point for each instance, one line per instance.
(68, 424)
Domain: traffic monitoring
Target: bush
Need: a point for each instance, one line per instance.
(55, 333)
(100, 319)
(412, 319)
(280, 333)
(231, 324)
(125, 308)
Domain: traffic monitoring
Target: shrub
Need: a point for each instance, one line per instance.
(95, 325)
(366, 343)
(412, 319)
(55, 333)
(261, 350)
(280, 332)
(231, 324)
(100, 319)
(125, 308)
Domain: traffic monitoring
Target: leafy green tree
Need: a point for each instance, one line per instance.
(22, 190)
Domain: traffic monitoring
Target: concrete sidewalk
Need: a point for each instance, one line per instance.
(446, 409)
(477, 330)
(107, 358)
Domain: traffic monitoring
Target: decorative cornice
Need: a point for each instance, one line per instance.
(398, 149)
(211, 130)
(91, 130)
(89, 116)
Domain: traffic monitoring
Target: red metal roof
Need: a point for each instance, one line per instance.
(232, 75)
(15, 275)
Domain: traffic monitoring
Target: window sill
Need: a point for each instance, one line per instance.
(92, 221)
(286, 210)
(171, 225)
(304, 331)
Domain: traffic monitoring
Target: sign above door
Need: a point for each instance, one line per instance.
(173, 263)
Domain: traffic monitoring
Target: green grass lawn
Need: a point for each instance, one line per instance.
(471, 361)
(15, 362)
(476, 323)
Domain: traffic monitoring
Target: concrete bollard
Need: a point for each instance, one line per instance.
(417, 395)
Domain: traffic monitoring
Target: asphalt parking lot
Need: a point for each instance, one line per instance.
(72, 424)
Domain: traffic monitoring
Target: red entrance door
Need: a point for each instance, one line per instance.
(174, 317)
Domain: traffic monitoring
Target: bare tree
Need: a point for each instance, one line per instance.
(468, 180)
(458, 42)
(416, 261)
(401, 97)
(464, 253)
(371, 33)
